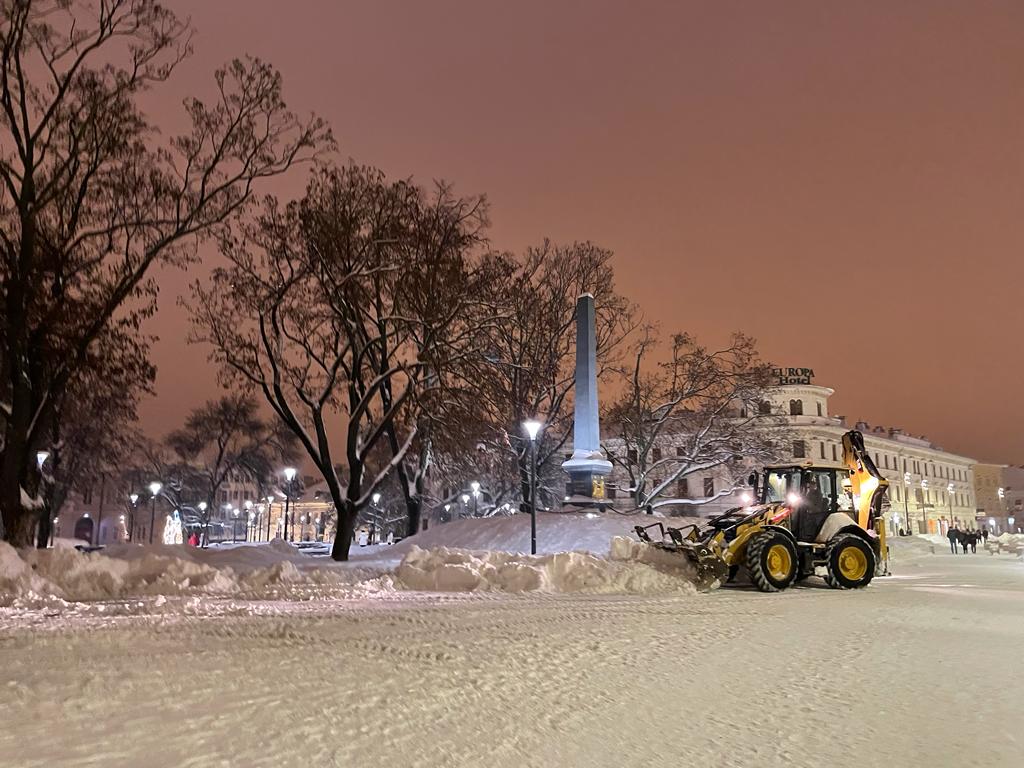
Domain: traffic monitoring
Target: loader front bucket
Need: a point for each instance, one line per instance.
(712, 571)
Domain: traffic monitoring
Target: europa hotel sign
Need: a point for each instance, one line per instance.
(793, 375)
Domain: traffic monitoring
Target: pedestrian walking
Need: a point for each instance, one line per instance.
(984, 534)
(954, 537)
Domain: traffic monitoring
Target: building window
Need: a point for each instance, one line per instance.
(680, 451)
(610, 491)
(835, 455)
(885, 457)
(709, 486)
(820, 412)
(683, 488)
(764, 408)
(821, 446)
(656, 453)
(799, 449)
(631, 455)
(796, 407)
(87, 495)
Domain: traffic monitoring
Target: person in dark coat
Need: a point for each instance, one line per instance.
(954, 536)
(984, 534)
(974, 542)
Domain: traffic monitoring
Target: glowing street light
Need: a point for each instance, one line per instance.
(533, 428)
(289, 475)
(154, 490)
(41, 457)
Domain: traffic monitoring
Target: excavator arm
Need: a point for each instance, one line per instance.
(868, 485)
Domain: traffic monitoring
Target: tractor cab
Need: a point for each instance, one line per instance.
(811, 494)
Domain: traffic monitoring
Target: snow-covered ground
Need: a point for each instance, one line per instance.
(340, 666)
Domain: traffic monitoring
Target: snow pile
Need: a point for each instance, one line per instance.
(903, 549)
(632, 568)
(133, 571)
(556, 532)
(1006, 544)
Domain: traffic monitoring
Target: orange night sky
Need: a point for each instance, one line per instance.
(842, 180)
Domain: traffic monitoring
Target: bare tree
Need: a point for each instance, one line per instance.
(225, 439)
(529, 366)
(334, 310)
(90, 202)
(92, 432)
(699, 411)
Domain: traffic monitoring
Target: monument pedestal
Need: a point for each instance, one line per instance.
(587, 478)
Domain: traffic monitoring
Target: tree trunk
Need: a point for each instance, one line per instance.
(414, 507)
(18, 522)
(343, 535)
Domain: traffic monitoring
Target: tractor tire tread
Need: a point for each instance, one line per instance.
(754, 562)
(834, 544)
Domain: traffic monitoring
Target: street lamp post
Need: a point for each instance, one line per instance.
(924, 509)
(465, 502)
(154, 489)
(906, 500)
(533, 429)
(270, 507)
(289, 475)
(1002, 500)
(134, 499)
(375, 499)
(949, 493)
(202, 513)
(251, 517)
(475, 487)
(234, 526)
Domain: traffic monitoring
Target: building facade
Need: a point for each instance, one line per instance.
(930, 489)
(999, 489)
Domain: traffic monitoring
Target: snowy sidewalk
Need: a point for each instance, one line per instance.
(810, 677)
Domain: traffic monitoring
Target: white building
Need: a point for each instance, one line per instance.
(999, 490)
(928, 486)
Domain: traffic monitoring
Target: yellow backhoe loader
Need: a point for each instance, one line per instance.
(806, 520)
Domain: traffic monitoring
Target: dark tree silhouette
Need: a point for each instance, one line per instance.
(90, 200)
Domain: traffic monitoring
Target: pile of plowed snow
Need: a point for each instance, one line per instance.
(280, 570)
(556, 532)
(1006, 544)
(137, 571)
(903, 549)
(631, 567)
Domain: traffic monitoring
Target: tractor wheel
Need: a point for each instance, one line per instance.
(851, 562)
(772, 561)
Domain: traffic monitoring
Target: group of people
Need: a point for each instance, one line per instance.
(966, 538)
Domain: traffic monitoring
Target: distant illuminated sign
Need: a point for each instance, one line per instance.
(793, 375)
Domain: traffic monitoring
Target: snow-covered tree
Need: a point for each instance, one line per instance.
(334, 309)
(697, 412)
(91, 199)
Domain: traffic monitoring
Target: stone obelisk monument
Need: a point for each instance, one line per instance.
(587, 468)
